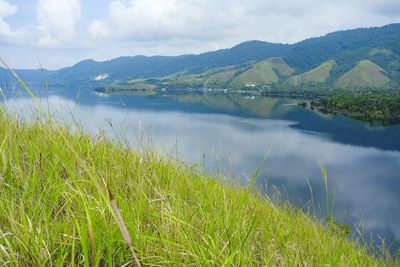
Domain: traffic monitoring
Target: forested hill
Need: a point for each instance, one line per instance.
(343, 46)
(369, 57)
(142, 66)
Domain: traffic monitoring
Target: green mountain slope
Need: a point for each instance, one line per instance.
(272, 72)
(253, 62)
(220, 78)
(280, 67)
(260, 73)
(265, 72)
(319, 74)
(345, 47)
(364, 74)
(380, 51)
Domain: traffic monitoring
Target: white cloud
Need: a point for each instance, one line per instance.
(6, 10)
(147, 20)
(57, 20)
(48, 41)
(97, 29)
(111, 28)
(231, 21)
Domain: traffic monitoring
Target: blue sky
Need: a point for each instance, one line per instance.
(58, 33)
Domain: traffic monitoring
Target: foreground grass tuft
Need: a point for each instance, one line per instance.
(52, 213)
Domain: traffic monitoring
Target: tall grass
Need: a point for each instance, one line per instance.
(51, 213)
(56, 208)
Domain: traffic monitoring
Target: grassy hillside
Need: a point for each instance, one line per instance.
(280, 67)
(220, 79)
(133, 67)
(65, 198)
(364, 74)
(275, 73)
(260, 73)
(318, 74)
(380, 51)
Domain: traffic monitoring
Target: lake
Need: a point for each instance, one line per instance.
(230, 135)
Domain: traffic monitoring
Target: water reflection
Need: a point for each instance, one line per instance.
(363, 161)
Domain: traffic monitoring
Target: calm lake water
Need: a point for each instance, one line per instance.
(230, 134)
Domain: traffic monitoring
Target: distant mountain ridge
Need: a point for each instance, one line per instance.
(365, 57)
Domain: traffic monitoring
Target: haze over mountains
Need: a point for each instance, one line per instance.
(360, 58)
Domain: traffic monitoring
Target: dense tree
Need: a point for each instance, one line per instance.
(370, 105)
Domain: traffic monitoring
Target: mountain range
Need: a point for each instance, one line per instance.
(359, 58)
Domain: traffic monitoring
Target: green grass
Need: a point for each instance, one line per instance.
(220, 78)
(380, 51)
(364, 74)
(53, 210)
(265, 72)
(319, 74)
(259, 74)
(67, 199)
(281, 67)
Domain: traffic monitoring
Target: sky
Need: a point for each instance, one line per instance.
(59, 33)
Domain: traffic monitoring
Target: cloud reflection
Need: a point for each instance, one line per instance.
(365, 180)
